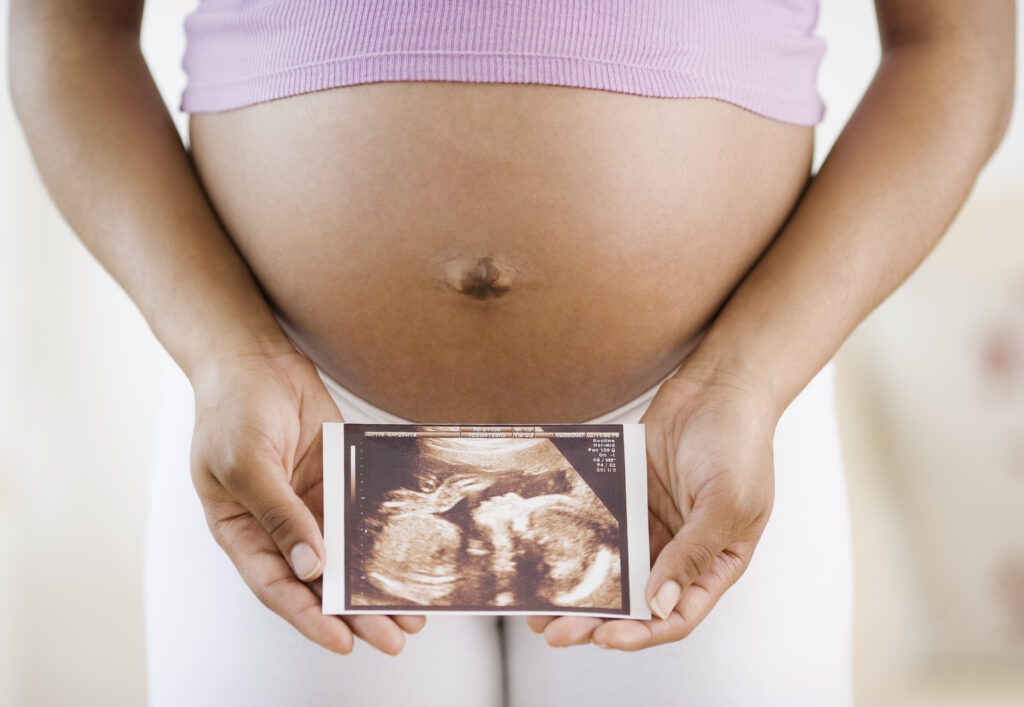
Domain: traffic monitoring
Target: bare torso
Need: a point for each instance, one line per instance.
(496, 252)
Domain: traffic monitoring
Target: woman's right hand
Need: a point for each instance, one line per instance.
(257, 465)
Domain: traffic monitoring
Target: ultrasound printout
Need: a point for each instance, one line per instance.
(495, 519)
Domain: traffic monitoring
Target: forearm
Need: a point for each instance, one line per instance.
(891, 185)
(112, 160)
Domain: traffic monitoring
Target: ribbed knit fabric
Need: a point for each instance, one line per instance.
(758, 54)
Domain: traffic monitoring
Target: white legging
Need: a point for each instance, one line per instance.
(779, 636)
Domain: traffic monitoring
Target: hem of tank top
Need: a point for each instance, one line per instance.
(810, 111)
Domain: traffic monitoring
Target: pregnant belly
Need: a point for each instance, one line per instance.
(493, 252)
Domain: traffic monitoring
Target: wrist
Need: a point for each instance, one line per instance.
(208, 353)
(714, 366)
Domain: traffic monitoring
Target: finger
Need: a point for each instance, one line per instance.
(537, 624)
(317, 587)
(262, 488)
(659, 536)
(685, 558)
(411, 624)
(378, 634)
(570, 630)
(633, 635)
(690, 610)
(379, 631)
(272, 581)
(307, 479)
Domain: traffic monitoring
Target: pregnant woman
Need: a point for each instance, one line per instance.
(506, 211)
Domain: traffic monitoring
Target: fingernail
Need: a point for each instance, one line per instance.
(666, 597)
(305, 563)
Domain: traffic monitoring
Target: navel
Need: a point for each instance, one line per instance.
(485, 277)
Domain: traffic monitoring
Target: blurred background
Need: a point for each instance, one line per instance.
(931, 396)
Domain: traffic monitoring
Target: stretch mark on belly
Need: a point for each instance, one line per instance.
(482, 278)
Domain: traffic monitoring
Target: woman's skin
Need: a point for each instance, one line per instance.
(552, 266)
(108, 152)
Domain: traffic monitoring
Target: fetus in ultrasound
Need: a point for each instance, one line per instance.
(489, 523)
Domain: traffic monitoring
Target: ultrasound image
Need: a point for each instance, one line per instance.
(474, 523)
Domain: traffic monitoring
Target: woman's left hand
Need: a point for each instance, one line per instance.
(710, 479)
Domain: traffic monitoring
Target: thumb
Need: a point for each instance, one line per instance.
(683, 559)
(261, 487)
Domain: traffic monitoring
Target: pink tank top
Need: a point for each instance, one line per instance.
(761, 55)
